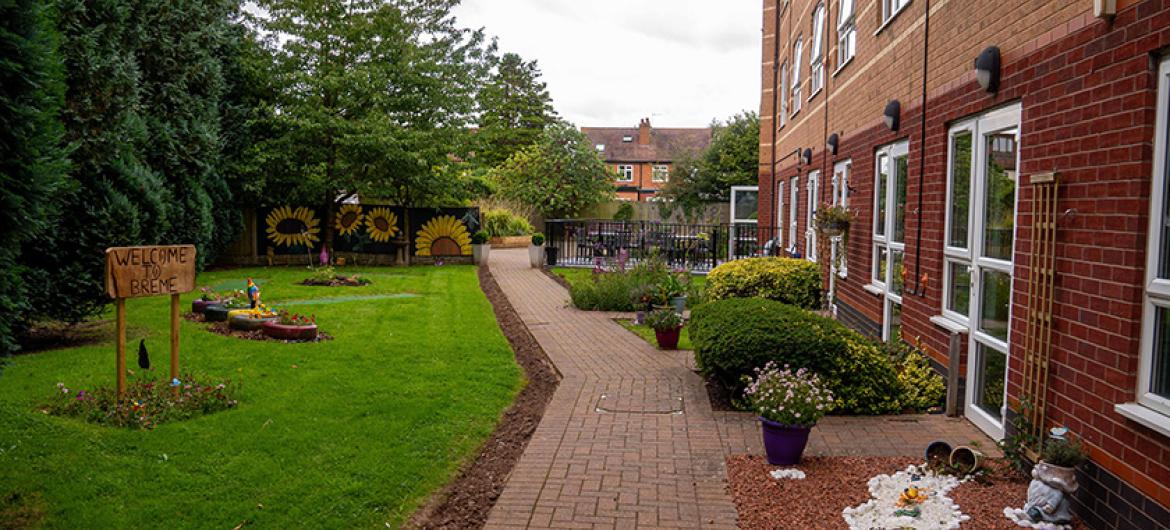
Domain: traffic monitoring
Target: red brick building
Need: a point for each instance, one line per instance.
(643, 157)
(877, 104)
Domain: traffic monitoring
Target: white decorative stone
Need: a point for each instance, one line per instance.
(1020, 517)
(790, 473)
(937, 512)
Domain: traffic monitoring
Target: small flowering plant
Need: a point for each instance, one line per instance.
(146, 403)
(294, 319)
(794, 398)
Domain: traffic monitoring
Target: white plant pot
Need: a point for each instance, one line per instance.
(480, 253)
(536, 256)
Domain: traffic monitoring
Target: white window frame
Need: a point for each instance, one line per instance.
(885, 240)
(660, 173)
(780, 212)
(816, 56)
(952, 255)
(846, 33)
(890, 10)
(839, 258)
(783, 93)
(625, 173)
(793, 206)
(810, 233)
(797, 52)
(1156, 413)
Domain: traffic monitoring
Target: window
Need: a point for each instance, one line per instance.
(839, 258)
(625, 173)
(797, 50)
(810, 231)
(601, 147)
(783, 96)
(627, 138)
(889, 233)
(1153, 390)
(793, 196)
(780, 213)
(891, 8)
(846, 34)
(661, 173)
(816, 58)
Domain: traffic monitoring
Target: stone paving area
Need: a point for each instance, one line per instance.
(630, 439)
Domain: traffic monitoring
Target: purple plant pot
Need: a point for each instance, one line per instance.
(281, 331)
(198, 305)
(783, 443)
(667, 339)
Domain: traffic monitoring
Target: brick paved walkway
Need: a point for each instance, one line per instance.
(629, 438)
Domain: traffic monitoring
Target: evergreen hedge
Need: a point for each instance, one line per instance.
(789, 280)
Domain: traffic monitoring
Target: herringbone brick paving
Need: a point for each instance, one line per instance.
(631, 458)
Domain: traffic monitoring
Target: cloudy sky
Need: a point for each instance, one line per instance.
(612, 62)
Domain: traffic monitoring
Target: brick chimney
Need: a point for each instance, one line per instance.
(644, 132)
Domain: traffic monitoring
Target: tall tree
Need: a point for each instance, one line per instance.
(32, 161)
(374, 97)
(701, 179)
(515, 107)
(559, 175)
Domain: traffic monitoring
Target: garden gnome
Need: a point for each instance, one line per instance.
(253, 294)
(1047, 505)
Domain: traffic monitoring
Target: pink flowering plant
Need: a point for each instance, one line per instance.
(146, 403)
(794, 398)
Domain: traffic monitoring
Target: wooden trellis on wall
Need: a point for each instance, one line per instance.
(1037, 347)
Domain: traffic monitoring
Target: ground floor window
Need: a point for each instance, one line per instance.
(1153, 391)
(889, 233)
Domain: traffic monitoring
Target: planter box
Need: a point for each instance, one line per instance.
(480, 253)
(281, 331)
(197, 306)
(215, 313)
(511, 241)
(247, 322)
(536, 256)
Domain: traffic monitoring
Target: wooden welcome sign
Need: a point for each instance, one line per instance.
(133, 272)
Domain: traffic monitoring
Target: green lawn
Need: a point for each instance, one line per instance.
(345, 433)
(647, 334)
(582, 274)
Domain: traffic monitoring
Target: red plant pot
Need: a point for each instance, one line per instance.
(199, 305)
(277, 330)
(667, 339)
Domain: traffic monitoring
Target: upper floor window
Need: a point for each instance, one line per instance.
(815, 57)
(661, 173)
(600, 148)
(891, 8)
(627, 138)
(783, 96)
(626, 173)
(797, 52)
(846, 34)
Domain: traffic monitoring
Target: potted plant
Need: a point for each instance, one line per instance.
(1063, 457)
(788, 403)
(252, 319)
(206, 297)
(666, 325)
(535, 251)
(290, 326)
(1054, 480)
(833, 220)
(674, 288)
(480, 247)
(219, 311)
(642, 298)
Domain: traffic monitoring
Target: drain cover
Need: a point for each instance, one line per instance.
(618, 403)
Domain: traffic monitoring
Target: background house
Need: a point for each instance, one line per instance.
(644, 156)
(877, 105)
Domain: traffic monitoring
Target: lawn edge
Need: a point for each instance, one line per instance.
(467, 500)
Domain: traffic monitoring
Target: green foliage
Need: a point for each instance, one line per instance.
(789, 280)
(481, 237)
(1020, 439)
(1063, 452)
(559, 175)
(538, 239)
(788, 396)
(732, 159)
(922, 387)
(648, 335)
(499, 222)
(515, 107)
(664, 320)
(147, 402)
(33, 163)
(625, 212)
(733, 337)
(606, 291)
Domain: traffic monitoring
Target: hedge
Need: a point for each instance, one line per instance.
(733, 337)
(788, 280)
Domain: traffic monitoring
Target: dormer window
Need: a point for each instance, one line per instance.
(601, 147)
(627, 139)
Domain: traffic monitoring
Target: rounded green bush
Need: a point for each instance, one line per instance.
(789, 280)
(733, 337)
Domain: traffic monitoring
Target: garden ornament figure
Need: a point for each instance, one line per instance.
(1047, 506)
(324, 257)
(143, 357)
(253, 294)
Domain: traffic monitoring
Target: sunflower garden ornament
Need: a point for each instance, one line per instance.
(381, 224)
(291, 228)
(348, 219)
(443, 236)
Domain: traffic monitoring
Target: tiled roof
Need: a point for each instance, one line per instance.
(665, 144)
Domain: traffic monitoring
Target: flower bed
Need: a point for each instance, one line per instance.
(145, 404)
(328, 277)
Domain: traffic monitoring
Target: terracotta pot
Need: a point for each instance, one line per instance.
(198, 305)
(277, 330)
(965, 459)
(248, 322)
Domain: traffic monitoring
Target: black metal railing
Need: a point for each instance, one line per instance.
(698, 248)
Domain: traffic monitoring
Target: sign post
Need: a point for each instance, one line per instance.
(133, 272)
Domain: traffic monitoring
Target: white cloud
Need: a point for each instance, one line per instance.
(612, 62)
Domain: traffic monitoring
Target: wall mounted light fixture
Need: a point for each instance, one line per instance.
(832, 143)
(893, 114)
(987, 69)
(807, 156)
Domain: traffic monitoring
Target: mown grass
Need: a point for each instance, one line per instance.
(356, 431)
(647, 334)
(579, 274)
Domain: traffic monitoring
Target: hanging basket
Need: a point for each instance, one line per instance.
(834, 228)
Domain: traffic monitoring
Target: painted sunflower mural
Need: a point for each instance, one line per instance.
(443, 236)
(348, 219)
(289, 228)
(381, 224)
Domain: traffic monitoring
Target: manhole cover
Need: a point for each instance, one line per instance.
(616, 403)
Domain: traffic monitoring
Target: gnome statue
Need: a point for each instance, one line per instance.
(1048, 504)
(253, 294)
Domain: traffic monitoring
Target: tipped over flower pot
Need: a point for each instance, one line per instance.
(788, 403)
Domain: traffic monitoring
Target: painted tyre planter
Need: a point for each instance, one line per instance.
(277, 330)
(197, 306)
(247, 322)
(215, 313)
(784, 444)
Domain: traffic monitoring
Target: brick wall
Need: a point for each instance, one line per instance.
(643, 180)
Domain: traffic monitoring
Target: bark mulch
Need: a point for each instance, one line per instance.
(465, 502)
(835, 483)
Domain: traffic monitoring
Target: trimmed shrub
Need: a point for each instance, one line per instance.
(735, 336)
(789, 280)
(922, 387)
(498, 222)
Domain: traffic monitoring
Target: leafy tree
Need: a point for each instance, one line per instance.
(33, 163)
(560, 175)
(373, 97)
(732, 159)
(515, 107)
